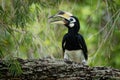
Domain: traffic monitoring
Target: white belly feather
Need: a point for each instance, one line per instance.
(75, 55)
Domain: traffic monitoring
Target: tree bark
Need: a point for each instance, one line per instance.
(49, 69)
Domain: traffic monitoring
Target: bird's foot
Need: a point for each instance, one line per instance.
(68, 61)
(84, 62)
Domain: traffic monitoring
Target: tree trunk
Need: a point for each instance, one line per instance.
(49, 69)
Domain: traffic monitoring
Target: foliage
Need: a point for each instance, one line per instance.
(26, 33)
(14, 67)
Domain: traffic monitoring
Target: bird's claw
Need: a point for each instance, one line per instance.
(68, 61)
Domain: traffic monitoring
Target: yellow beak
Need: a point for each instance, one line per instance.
(62, 14)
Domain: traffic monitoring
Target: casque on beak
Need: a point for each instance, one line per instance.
(64, 15)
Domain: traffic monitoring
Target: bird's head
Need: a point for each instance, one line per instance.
(66, 18)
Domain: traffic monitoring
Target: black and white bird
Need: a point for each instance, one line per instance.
(73, 44)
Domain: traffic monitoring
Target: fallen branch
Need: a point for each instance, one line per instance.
(49, 69)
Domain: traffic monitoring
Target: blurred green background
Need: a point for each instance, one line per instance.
(25, 31)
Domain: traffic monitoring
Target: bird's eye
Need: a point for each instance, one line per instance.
(72, 19)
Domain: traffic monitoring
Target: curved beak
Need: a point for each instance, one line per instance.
(61, 14)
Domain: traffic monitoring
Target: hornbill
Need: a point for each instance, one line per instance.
(73, 44)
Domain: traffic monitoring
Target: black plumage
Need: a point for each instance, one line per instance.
(73, 40)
